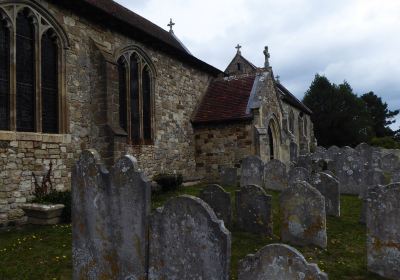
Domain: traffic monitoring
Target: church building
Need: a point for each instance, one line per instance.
(91, 74)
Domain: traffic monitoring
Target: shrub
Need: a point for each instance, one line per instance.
(168, 181)
(55, 197)
(385, 142)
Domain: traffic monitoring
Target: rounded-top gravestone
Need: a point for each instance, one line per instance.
(252, 171)
(275, 175)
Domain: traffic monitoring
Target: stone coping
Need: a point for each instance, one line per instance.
(42, 207)
(33, 136)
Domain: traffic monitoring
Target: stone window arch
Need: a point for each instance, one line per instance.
(301, 125)
(305, 126)
(32, 70)
(291, 121)
(136, 95)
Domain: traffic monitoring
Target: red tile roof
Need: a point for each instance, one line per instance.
(226, 100)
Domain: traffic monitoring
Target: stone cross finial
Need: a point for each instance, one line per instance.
(267, 56)
(171, 25)
(238, 47)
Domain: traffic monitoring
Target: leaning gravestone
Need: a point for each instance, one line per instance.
(280, 262)
(252, 171)
(228, 176)
(303, 216)
(390, 163)
(329, 187)
(188, 241)
(110, 217)
(297, 174)
(275, 175)
(253, 209)
(383, 230)
(220, 202)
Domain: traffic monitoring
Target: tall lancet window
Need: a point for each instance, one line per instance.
(25, 72)
(49, 83)
(4, 76)
(136, 87)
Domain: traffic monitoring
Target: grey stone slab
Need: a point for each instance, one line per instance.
(254, 210)
(220, 202)
(303, 216)
(329, 187)
(252, 171)
(396, 176)
(278, 262)
(320, 153)
(275, 175)
(333, 152)
(319, 165)
(370, 156)
(110, 217)
(383, 230)
(297, 174)
(304, 161)
(188, 241)
(390, 163)
(228, 176)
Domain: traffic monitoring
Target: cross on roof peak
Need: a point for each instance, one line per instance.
(238, 47)
(171, 25)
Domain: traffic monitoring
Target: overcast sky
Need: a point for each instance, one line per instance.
(353, 40)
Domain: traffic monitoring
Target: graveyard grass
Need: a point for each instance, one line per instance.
(45, 252)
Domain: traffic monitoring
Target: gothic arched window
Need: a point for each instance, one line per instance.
(32, 89)
(137, 118)
(291, 121)
(4, 76)
(305, 126)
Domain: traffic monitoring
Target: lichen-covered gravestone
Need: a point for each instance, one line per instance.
(188, 241)
(303, 216)
(252, 171)
(383, 230)
(390, 163)
(278, 262)
(275, 175)
(220, 202)
(110, 218)
(370, 156)
(254, 210)
(228, 176)
(333, 152)
(329, 187)
(298, 174)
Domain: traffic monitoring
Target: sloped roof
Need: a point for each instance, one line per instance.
(292, 100)
(226, 100)
(114, 16)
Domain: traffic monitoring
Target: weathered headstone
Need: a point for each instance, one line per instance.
(390, 163)
(329, 187)
(383, 230)
(333, 152)
(319, 165)
(396, 176)
(220, 202)
(280, 262)
(252, 171)
(254, 210)
(293, 151)
(228, 176)
(275, 175)
(303, 215)
(305, 162)
(188, 241)
(320, 153)
(370, 156)
(297, 174)
(110, 218)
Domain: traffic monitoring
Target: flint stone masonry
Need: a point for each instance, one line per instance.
(254, 210)
(188, 241)
(329, 187)
(303, 215)
(275, 175)
(383, 230)
(110, 217)
(252, 171)
(297, 174)
(278, 262)
(228, 176)
(220, 202)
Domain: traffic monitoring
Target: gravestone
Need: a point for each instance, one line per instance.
(297, 174)
(278, 261)
(188, 241)
(305, 162)
(333, 152)
(220, 202)
(370, 156)
(275, 175)
(254, 210)
(293, 152)
(390, 163)
(303, 216)
(319, 165)
(320, 153)
(110, 218)
(329, 187)
(252, 171)
(383, 230)
(396, 176)
(228, 176)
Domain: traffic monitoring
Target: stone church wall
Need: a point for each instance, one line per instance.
(89, 76)
(223, 145)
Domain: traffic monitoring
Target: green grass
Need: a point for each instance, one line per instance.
(45, 252)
